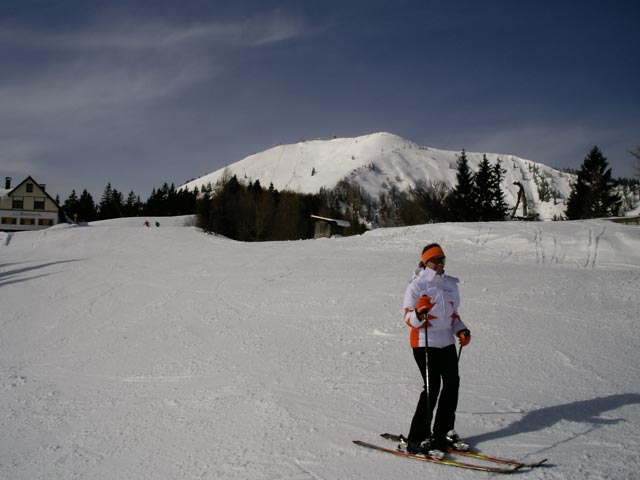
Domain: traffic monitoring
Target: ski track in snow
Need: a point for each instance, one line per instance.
(129, 352)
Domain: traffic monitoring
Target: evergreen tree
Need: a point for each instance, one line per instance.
(86, 207)
(159, 203)
(133, 206)
(483, 189)
(118, 204)
(82, 209)
(287, 218)
(167, 201)
(107, 195)
(462, 205)
(70, 206)
(225, 208)
(500, 209)
(104, 208)
(111, 203)
(204, 210)
(593, 196)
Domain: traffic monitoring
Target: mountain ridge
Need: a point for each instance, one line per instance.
(378, 161)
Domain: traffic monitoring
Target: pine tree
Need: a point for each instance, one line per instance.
(104, 208)
(118, 203)
(86, 207)
(593, 196)
(70, 206)
(225, 210)
(111, 203)
(483, 189)
(133, 205)
(499, 207)
(204, 210)
(462, 204)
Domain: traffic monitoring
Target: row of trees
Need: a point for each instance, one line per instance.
(476, 197)
(252, 213)
(165, 201)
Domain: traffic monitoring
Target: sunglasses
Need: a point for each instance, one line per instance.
(437, 260)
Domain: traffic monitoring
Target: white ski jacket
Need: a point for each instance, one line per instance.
(443, 317)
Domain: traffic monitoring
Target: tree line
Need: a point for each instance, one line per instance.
(476, 197)
(250, 212)
(253, 213)
(165, 201)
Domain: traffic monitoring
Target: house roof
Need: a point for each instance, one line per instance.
(8, 193)
(340, 223)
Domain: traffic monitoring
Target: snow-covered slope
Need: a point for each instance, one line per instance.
(378, 161)
(162, 353)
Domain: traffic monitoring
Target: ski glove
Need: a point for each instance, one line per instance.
(464, 336)
(422, 308)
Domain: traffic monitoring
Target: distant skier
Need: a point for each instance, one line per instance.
(431, 303)
(146, 223)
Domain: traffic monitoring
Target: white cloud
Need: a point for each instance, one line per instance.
(87, 85)
(130, 33)
(117, 62)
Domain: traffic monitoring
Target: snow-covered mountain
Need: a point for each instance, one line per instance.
(378, 161)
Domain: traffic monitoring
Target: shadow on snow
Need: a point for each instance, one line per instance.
(8, 277)
(584, 411)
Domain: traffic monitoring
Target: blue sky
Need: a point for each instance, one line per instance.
(138, 93)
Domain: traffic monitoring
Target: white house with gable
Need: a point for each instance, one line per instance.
(26, 207)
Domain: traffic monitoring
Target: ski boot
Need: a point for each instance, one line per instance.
(454, 442)
(426, 448)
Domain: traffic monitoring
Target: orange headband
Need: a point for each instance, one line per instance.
(431, 253)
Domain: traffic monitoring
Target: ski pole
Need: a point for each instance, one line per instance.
(426, 361)
(459, 352)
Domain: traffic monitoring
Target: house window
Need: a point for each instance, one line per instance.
(29, 187)
(38, 204)
(18, 204)
(9, 221)
(27, 221)
(45, 222)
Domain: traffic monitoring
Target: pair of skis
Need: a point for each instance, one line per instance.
(490, 463)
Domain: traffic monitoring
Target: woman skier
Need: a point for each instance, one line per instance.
(431, 303)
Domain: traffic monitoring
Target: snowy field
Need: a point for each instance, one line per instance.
(162, 353)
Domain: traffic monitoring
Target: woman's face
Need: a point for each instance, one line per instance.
(436, 264)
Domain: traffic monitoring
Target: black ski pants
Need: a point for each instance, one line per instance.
(443, 385)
